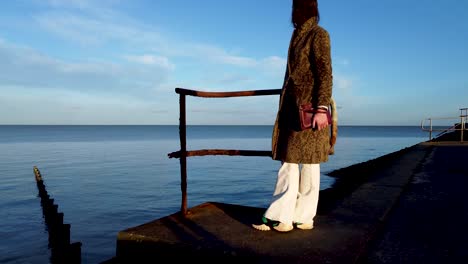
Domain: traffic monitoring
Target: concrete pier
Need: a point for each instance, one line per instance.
(406, 207)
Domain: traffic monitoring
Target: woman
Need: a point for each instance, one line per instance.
(308, 79)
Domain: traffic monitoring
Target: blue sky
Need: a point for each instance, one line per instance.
(119, 61)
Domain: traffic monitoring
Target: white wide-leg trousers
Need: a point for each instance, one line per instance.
(296, 194)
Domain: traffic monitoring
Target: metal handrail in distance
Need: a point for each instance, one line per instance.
(463, 120)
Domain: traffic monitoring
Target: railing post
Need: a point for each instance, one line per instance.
(430, 128)
(462, 124)
(183, 154)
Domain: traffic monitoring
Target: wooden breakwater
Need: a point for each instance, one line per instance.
(62, 251)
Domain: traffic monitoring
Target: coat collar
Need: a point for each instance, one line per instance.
(311, 22)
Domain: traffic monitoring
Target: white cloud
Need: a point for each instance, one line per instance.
(227, 79)
(98, 24)
(205, 52)
(25, 106)
(93, 31)
(121, 64)
(101, 7)
(274, 65)
(101, 31)
(70, 3)
(213, 54)
(342, 62)
(342, 83)
(27, 67)
(148, 59)
(92, 23)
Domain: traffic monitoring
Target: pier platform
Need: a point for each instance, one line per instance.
(405, 207)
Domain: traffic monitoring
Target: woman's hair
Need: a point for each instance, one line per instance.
(302, 10)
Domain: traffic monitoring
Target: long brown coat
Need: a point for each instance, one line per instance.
(308, 78)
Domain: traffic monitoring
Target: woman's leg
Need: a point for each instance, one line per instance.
(284, 198)
(307, 200)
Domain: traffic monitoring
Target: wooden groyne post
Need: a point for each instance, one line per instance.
(62, 251)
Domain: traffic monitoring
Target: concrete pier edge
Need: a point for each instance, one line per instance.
(351, 214)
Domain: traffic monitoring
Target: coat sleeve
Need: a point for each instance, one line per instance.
(321, 57)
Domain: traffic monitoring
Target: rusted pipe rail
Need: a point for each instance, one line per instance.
(183, 91)
(182, 154)
(227, 152)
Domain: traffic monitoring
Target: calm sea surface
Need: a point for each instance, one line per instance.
(109, 178)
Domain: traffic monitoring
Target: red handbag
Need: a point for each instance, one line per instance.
(306, 114)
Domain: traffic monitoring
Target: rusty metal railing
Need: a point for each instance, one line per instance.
(463, 117)
(183, 153)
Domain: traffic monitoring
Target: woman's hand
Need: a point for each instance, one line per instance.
(320, 120)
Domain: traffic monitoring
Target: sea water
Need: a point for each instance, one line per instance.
(109, 178)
